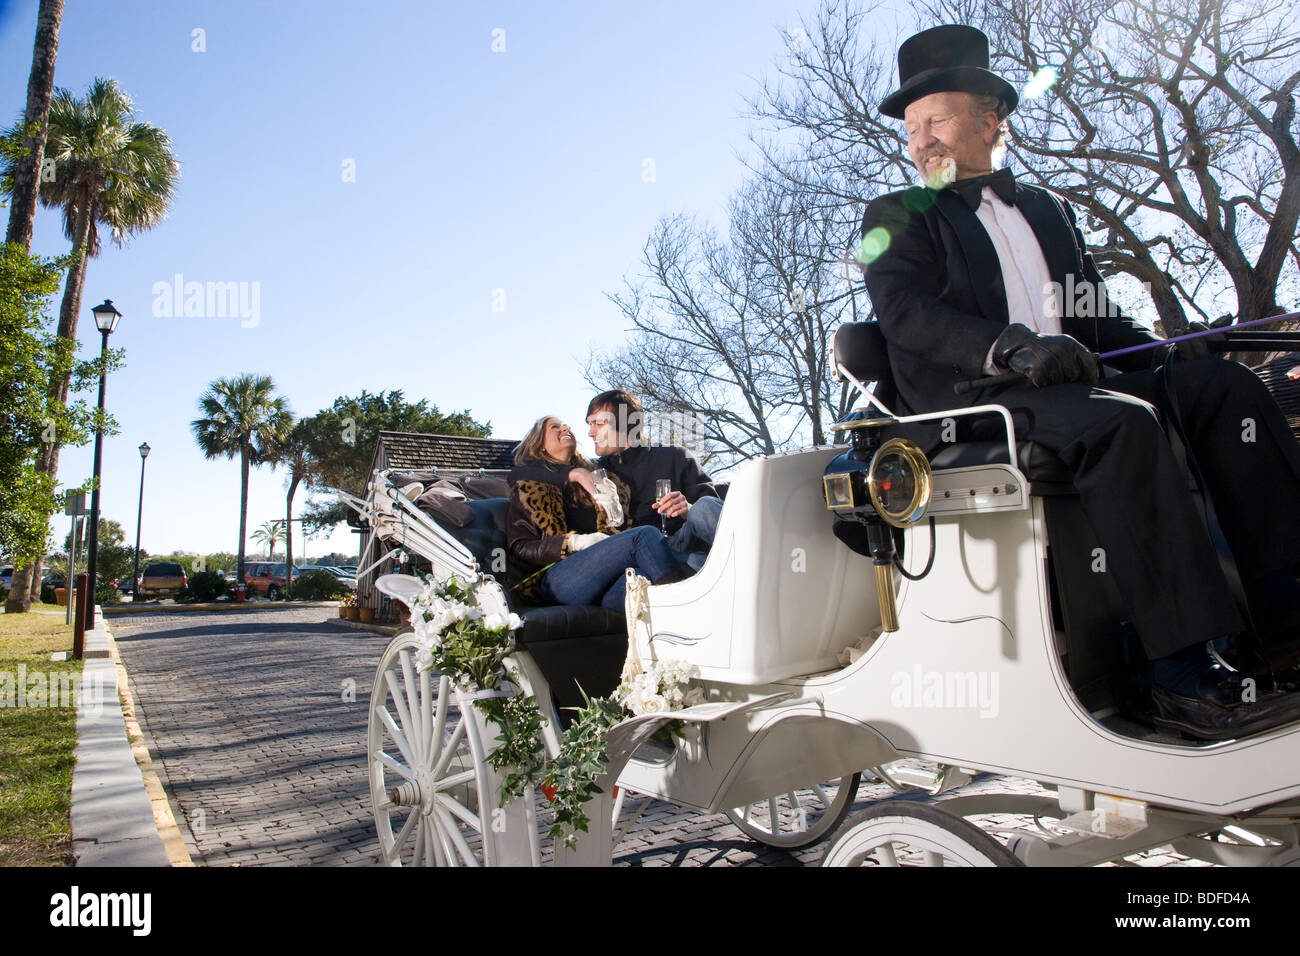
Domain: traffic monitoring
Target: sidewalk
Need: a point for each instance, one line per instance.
(116, 821)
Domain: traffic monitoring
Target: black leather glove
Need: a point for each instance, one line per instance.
(1191, 349)
(1044, 359)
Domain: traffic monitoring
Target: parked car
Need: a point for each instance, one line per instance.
(349, 579)
(265, 578)
(163, 579)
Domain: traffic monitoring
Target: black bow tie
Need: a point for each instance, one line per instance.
(1003, 183)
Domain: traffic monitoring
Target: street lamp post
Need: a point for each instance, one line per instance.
(135, 573)
(106, 319)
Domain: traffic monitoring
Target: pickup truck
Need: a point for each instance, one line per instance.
(163, 579)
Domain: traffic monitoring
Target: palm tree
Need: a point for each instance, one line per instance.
(108, 170)
(40, 88)
(295, 456)
(269, 535)
(244, 418)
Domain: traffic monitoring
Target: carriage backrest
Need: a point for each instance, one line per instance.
(779, 595)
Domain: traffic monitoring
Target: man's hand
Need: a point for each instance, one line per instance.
(1044, 359)
(585, 478)
(1191, 349)
(672, 505)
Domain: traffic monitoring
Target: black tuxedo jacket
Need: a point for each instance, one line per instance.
(936, 287)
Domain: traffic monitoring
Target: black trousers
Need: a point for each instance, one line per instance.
(1135, 492)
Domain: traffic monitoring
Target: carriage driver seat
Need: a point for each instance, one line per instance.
(860, 347)
(1086, 607)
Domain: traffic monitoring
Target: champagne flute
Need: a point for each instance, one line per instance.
(599, 476)
(663, 486)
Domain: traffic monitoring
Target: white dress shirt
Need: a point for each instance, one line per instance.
(1031, 298)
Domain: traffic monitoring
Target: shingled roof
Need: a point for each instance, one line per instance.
(451, 453)
(1285, 390)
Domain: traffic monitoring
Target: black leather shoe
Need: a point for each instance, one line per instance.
(1222, 709)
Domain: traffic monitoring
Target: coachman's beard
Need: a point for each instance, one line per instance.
(943, 174)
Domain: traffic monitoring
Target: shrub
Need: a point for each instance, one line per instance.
(106, 592)
(203, 587)
(318, 586)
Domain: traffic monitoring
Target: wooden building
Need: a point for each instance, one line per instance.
(448, 456)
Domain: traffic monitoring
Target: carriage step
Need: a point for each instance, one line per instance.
(907, 774)
(1114, 818)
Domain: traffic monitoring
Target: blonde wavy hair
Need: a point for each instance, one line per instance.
(533, 447)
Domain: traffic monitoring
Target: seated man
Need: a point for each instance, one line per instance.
(688, 514)
(962, 273)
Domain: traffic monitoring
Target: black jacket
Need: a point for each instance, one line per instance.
(939, 298)
(639, 468)
(539, 520)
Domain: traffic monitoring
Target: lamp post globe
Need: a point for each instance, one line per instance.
(135, 571)
(106, 319)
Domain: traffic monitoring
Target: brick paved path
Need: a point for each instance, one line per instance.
(259, 720)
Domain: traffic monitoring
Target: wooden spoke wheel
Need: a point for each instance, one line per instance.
(800, 818)
(904, 833)
(428, 778)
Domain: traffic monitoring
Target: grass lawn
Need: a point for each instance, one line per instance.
(36, 742)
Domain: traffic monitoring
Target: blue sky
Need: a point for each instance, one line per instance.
(516, 178)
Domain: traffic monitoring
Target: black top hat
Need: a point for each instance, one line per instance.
(951, 58)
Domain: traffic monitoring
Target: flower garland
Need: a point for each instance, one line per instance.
(458, 639)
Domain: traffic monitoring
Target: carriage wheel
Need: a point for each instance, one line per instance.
(427, 772)
(903, 833)
(800, 818)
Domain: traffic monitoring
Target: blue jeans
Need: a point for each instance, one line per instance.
(691, 542)
(595, 575)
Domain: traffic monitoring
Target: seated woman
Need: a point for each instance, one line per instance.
(565, 545)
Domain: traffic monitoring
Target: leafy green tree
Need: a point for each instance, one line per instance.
(30, 420)
(340, 440)
(242, 417)
(108, 171)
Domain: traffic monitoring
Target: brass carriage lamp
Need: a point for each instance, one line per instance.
(872, 489)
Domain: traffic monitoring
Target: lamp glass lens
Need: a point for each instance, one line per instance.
(839, 491)
(895, 484)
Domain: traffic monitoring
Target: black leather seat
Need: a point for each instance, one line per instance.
(1039, 464)
(860, 347)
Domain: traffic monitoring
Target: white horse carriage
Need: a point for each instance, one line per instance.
(835, 631)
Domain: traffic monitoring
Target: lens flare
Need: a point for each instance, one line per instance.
(1043, 81)
(873, 245)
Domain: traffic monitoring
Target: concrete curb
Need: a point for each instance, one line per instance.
(113, 820)
(116, 610)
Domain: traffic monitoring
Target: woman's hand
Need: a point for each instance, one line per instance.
(585, 478)
(606, 496)
(578, 542)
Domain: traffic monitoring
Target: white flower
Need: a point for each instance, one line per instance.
(653, 704)
(424, 656)
(514, 622)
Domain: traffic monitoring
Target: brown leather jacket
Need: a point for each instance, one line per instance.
(540, 519)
